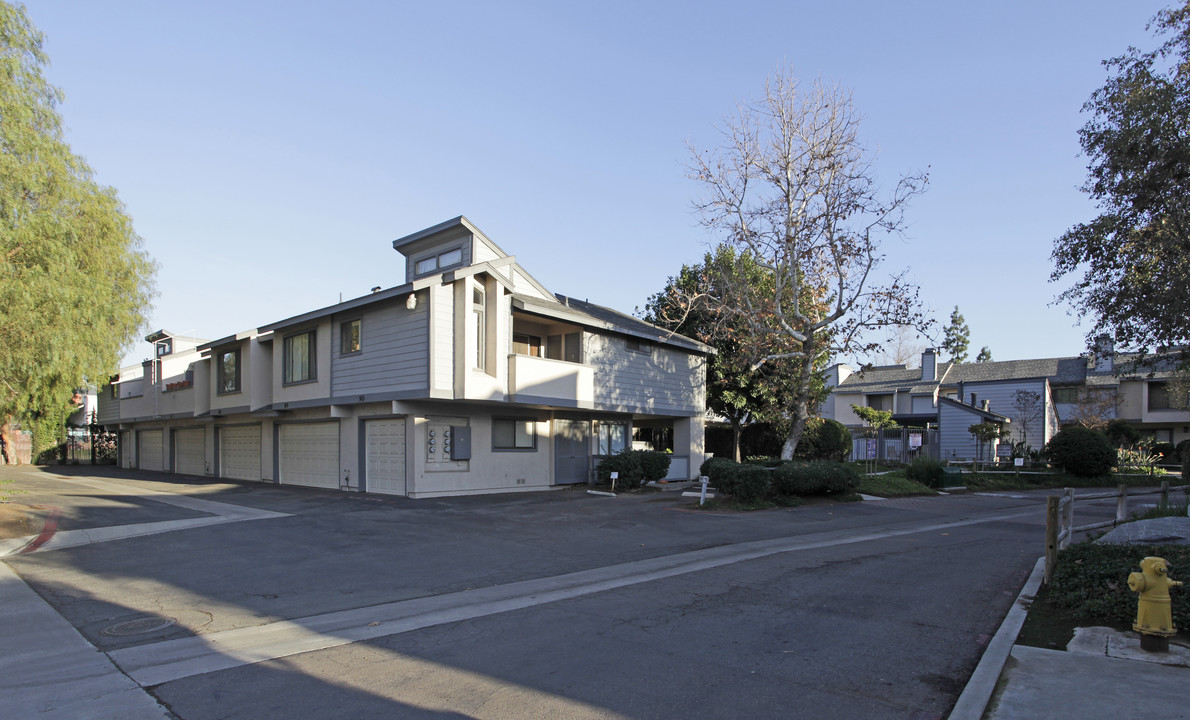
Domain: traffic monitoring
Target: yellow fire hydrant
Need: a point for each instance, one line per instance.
(1154, 619)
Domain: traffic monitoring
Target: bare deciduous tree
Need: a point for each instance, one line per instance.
(1096, 407)
(1028, 409)
(793, 188)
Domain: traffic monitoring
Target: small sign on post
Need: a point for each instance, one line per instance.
(615, 476)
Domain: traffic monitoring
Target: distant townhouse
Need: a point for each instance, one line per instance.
(951, 397)
(471, 377)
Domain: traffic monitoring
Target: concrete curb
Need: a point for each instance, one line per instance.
(974, 700)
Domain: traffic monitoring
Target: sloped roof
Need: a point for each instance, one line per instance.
(581, 312)
(887, 378)
(1060, 371)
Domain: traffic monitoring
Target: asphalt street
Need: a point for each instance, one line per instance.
(297, 603)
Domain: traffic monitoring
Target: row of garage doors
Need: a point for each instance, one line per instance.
(307, 453)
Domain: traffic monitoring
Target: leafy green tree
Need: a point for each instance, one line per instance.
(75, 283)
(984, 356)
(736, 391)
(1130, 266)
(792, 187)
(879, 419)
(956, 337)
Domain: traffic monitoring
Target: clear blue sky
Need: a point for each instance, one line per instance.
(269, 152)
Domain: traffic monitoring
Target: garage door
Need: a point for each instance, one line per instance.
(190, 451)
(150, 450)
(385, 442)
(239, 452)
(310, 454)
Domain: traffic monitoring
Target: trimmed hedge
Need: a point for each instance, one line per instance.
(815, 478)
(1082, 452)
(747, 483)
(824, 439)
(926, 470)
(636, 467)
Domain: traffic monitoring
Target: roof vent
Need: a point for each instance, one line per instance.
(376, 289)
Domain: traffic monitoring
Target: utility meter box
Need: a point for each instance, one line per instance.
(460, 443)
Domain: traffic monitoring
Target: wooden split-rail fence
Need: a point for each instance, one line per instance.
(1059, 516)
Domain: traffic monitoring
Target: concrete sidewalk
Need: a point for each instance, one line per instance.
(1103, 673)
(47, 669)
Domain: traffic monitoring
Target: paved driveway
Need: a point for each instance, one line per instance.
(297, 603)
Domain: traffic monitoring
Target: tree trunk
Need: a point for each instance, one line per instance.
(800, 408)
(8, 448)
(735, 440)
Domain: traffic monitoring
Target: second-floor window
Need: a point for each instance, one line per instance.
(440, 261)
(298, 358)
(479, 318)
(349, 337)
(229, 372)
(1159, 396)
(1065, 394)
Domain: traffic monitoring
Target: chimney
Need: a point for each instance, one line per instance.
(929, 366)
(973, 402)
(1103, 352)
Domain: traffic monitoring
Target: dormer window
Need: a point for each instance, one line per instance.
(441, 261)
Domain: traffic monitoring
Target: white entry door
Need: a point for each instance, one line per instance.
(385, 443)
(310, 454)
(151, 450)
(190, 451)
(239, 452)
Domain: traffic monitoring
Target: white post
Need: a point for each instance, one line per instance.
(702, 497)
(1068, 518)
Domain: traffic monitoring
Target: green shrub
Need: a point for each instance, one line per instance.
(722, 474)
(1119, 433)
(925, 470)
(1081, 452)
(654, 465)
(824, 439)
(636, 467)
(1091, 582)
(814, 478)
(752, 482)
(1166, 452)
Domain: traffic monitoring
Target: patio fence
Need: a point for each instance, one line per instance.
(897, 445)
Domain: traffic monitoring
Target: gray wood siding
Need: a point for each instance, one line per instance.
(394, 353)
(443, 330)
(663, 381)
(108, 411)
(954, 442)
(1000, 397)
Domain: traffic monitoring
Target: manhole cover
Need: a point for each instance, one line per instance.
(139, 627)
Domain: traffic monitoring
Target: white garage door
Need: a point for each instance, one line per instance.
(310, 454)
(190, 451)
(151, 455)
(239, 452)
(386, 456)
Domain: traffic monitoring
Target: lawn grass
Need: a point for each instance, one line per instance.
(893, 484)
(1031, 481)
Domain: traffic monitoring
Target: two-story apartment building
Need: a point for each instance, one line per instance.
(951, 397)
(470, 377)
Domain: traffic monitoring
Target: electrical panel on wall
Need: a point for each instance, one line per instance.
(442, 449)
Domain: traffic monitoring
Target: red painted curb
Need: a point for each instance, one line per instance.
(47, 531)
